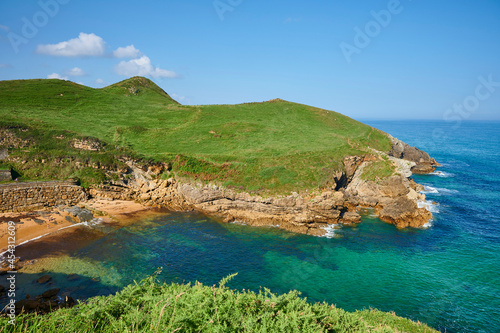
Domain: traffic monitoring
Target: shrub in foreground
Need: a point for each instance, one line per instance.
(152, 307)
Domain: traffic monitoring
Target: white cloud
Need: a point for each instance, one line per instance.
(75, 72)
(142, 67)
(100, 82)
(84, 45)
(4, 27)
(57, 76)
(127, 52)
(5, 66)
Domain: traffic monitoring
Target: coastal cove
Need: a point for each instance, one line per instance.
(250, 167)
(445, 275)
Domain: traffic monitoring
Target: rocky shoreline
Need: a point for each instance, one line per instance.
(395, 199)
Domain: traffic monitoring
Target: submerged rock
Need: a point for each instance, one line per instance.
(44, 303)
(44, 279)
(50, 293)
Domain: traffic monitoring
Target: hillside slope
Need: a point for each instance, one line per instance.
(270, 147)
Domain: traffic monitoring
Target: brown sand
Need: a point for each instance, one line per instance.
(30, 225)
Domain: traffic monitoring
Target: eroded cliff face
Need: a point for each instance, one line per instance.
(423, 162)
(394, 199)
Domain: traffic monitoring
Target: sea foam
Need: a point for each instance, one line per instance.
(431, 207)
(330, 230)
(429, 190)
(442, 174)
(437, 190)
(427, 225)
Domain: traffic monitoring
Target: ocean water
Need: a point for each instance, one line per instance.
(446, 275)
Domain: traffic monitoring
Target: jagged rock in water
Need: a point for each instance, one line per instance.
(423, 168)
(405, 213)
(351, 218)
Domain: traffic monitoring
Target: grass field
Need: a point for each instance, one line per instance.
(270, 147)
(152, 307)
(378, 170)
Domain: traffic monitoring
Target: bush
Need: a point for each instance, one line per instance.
(152, 307)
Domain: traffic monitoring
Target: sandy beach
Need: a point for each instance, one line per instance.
(31, 225)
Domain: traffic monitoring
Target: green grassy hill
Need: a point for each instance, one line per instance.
(270, 147)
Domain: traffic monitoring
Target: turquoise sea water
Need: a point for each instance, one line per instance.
(447, 275)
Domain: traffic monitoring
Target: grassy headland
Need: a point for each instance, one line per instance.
(270, 147)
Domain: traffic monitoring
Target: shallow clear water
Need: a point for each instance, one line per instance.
(447, 275)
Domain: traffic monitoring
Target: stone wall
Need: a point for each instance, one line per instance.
(5, 175)
(19, 197)
(4, 153)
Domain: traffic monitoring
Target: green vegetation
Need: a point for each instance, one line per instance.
(378, 170)
(271, 147)
(47, 154)
(152, 307)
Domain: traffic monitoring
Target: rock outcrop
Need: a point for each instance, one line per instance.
(404, 212)
(423, 162)
(293, 213)
(92, 145)
(423, 168)
(395, 198)
(4, 153)
(307, 213)
(5, 175)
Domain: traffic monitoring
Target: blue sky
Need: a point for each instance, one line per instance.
(407, 59)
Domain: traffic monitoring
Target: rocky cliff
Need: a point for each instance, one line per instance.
(423, 162)
(395, 199)
(390, 193)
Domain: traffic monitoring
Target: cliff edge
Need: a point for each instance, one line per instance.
(395, 199)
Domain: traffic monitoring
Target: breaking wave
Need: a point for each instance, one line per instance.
(437, 190)
(442, 174)
(330, 230)
(430, 206)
